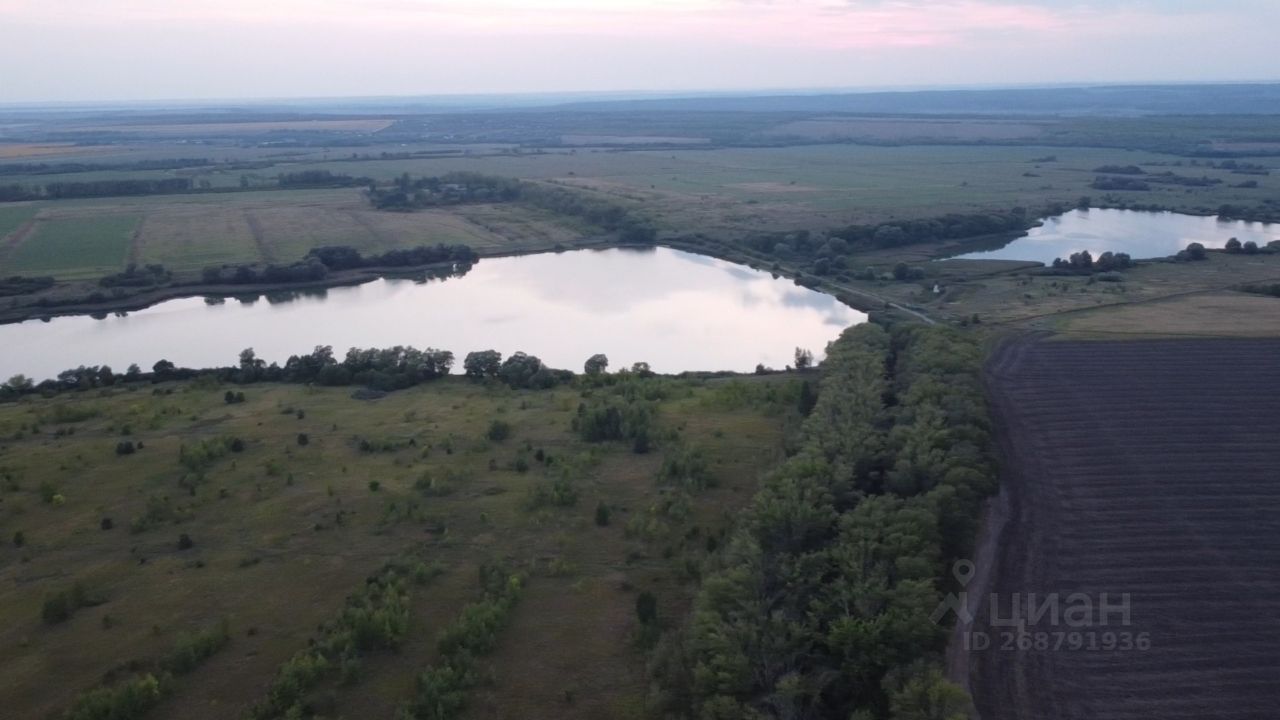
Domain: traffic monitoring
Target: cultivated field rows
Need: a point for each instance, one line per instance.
(1149, 468)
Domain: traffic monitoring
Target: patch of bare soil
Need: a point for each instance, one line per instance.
(1148, 468)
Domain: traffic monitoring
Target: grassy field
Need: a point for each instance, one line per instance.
(190, 232)
(734, 190)
(282, 532)
(13, 218)
(1211, 314)
(75, 247)
(1010, 292)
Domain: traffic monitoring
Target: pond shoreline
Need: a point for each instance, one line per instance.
(673, 309)
(857, 299)
(146, 298)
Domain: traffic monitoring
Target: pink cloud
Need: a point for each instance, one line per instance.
(806, 23)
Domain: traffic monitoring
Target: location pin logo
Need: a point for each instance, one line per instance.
(963, 570)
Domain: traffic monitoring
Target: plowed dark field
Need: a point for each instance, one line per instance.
(1150, 468)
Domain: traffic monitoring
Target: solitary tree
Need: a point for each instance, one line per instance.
(250, 365)
(596, 364)
(482, 364)
(519, 370)
(804, 359)
(1233, 245)
(18, 383)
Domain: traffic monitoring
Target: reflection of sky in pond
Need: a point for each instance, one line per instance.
(674, 310)
(1141, 234)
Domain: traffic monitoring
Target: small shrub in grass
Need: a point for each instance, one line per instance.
(499, 431)
(60, 606)
(303, 439)
(602, 515)
(127, 701)
(646, 608)
(185, 542)
(433, 485)
(191, 649)
(374, 617)
(374, 486)
(125, 447)
(442, 688)
(559, 492)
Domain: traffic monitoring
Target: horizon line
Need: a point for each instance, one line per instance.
(625, 94)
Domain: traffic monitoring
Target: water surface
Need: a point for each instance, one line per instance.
(674, 310)
(1139, 233)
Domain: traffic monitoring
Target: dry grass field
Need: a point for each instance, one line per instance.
(283, 531)
(1211, 314)
(22, 152)
(360, 125)
(905, 128)
(1005, 292)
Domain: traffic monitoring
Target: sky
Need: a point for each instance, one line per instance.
(111, 50)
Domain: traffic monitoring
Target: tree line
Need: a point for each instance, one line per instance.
(22, 285)
(79, 167)
(409, 193)
(820, 602)
(1084, 263)
(320, 261)
(832, 252)
(383, 369)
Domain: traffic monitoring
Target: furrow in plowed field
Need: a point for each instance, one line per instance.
(1150, 468)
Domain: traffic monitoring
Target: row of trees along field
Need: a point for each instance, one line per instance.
(457, 188)
(821, 603)
(96, 188)
(319, 261)
(381, 369)
(831, 253)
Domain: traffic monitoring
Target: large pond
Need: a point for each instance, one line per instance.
(1141, 234)
(674, 310)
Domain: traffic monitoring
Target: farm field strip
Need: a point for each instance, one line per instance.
(1149, 468)
(75, 247)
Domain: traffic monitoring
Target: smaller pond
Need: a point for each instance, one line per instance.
(1141, 234)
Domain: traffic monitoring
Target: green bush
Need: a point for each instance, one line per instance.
(60, 606)
(192, 649)
(128, 701)
(685, 468)
(442, 689)
(498, 431)
(558, 492)
(374, 618)
(614, 419)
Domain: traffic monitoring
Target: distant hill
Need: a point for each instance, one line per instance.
(1113, 100)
